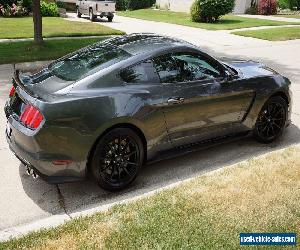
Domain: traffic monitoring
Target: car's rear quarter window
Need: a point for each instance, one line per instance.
(87, 61)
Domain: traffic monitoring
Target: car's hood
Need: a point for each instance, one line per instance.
(248, 68)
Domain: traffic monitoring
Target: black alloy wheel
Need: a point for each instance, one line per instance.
(117, 159)
(271, 121)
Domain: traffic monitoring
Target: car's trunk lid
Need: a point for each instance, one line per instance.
(42, 85)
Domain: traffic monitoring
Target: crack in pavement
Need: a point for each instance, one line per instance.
(61, 201)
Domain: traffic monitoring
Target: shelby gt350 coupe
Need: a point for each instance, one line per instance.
(108, 108)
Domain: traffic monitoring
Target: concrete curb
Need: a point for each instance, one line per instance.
(56, 220)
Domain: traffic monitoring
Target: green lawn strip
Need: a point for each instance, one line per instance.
(227, 22)
(14, 52)
(274, 34)
(209, 212)
(52, 27)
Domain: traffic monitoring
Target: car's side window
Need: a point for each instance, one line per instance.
(185, 67)
(143, 72)
(167, 69)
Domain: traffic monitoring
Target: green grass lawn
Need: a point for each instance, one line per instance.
(52, 27)
(51, 49)
(274, 34)
(227, 22)
(209, 212)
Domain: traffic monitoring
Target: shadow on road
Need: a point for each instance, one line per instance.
(78, 196)
(98, 19)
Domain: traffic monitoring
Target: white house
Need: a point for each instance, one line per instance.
(184, 5)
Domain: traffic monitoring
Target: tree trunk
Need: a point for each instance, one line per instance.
(37, 22)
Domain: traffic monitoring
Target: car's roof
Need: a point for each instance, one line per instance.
(145, 42)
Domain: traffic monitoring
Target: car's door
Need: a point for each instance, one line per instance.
(201, 102)
(146, 102)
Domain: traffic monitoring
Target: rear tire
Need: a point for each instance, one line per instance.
(271, 120)
(117, 159)
(110, 18)
(92, 16)
(78, 12)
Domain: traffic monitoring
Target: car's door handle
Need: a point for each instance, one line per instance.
(175, 100)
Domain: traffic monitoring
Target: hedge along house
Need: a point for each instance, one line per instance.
(184, 5)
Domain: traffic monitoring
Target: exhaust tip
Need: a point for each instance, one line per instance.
(28, 170)
(34, 175)
(31, 172)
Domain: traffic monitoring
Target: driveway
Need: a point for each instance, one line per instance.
(25, 200)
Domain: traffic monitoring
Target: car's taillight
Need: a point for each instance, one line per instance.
(12, 91)
(31, 117)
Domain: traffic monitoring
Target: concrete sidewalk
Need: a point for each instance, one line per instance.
(273, 18)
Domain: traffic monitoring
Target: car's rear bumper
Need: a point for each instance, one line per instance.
(30, 154)
(107, 14)
(52, 179)
(48, 178)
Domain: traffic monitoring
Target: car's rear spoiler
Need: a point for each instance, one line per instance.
(18, 83)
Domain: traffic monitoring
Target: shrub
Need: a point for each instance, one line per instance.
(121, 5)
(283, 4)
(209, 11)
(134, 4)
(294, 4)
(49, 9)
(267, 7)
(27, 4)
(13, 11)
(61, 4)
(5, 11)
(5, 3)
(139, 4)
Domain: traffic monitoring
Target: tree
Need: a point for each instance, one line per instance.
(37, 22)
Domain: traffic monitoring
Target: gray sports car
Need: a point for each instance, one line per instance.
(105, 110)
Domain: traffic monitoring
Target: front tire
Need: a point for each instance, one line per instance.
(271, 120)
(117, 159)
(110, 18)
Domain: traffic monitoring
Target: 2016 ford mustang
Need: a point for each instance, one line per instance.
(108, 108)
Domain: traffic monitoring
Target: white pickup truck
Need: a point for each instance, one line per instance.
(94, 8)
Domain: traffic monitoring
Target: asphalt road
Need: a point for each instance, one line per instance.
(25, 200)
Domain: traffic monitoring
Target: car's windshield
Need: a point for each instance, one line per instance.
(84, 62)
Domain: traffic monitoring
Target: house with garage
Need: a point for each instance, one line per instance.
(184, 5)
